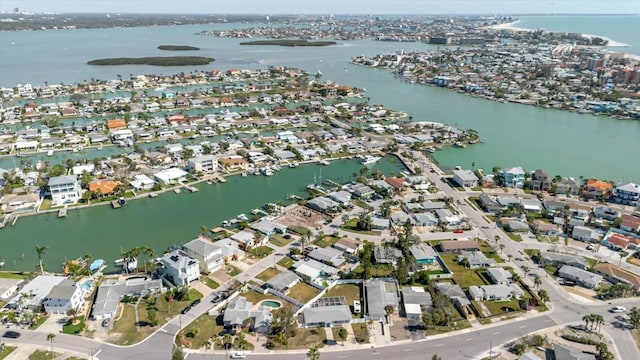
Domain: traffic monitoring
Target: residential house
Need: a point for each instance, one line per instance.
(326, 316)
(627, 194)
(498, 292)
(379, 223)
(34, 292)
(465, 178)
(531, 205)
(240, 311)
(596, 189)
(514, 177)
(516, 226)
(416, 301)
(386, 255)
(630, 223)
(583, 233)
(171, 176)
(343, 197)
(475, 260)
(104, 187)
(424, 219)
(423, 254)
(458, 246)
(568, 186)
(447, 217)
(561, 259)
(347, 245)
(580, 276)
(65, 296)
(268, 227)
(489, 204)
(180, 268)
(545, 228)
(617, 275)
(380, 293)
(65, 189)
(328, 255)
(561, 352)
(540, 181)
(617, 241)
(142, 182)
(362, 191)
(230, 250)
(245, 239)
(499, 276)
(323, 204)
(111, 291)
(206, 164)
(606, 213)
(457, 296)
(283, 282)
(206, 252)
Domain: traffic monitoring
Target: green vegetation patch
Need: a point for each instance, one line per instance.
(267, 274)
(278, 240)
(303, 292)
(6, 350)
(178, 47)
(261, 251)
(200, 331)
(326, 241)
(13, 275)
(43, 355)
(361, 333)
(155, 61)
(284, 42)
(304, 339)
(74, 327)
(350, 292)
(286, 262)
(210, 283)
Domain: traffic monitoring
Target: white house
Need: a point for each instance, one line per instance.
(206, 252)
(142, 182)
(64, 189)
(63, 297)
(170, 176)
(465, 178)
(180, 268)
(204, 163)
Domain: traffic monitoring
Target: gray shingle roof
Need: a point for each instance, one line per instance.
(327, 314)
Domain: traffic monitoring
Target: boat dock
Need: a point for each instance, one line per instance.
(219, 178)
(116, 204)
(4, 221)
(62, 213)
(190, 188)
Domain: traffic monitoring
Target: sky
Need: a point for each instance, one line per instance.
(329, 6)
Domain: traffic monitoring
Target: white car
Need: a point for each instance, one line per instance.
(618, 309)
(591, 247)
(238, 355)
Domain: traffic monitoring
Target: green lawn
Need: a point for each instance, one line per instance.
(74, 328)
(255, 297)
(326, 241)
(590, 262)
(267, 274)
(14, 275)
(125, 326)
(43, 355)
(207, 327)
(234, 270)
(279, 241)
(6, 351)
(458, 324)
(304, 339)
(495, 307)
(351, 226)
(210, 283)
(261, 251)
(360, 203)
(303, 292)
(513, 236)
(461, 275)
(39, 321)
(46, 205)
(286, 262)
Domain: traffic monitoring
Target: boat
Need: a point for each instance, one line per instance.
(459, 144)
(129, 263)
(242, 217)
(244, 174)
(177, 190)
(323, 162)
(50, 153)
(294, 164)
(152, 195)
(225, 223)
(100, 147)
(267, 172)
(431, 149)
(368, 159)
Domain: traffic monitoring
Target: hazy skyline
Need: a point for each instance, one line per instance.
(328, 6)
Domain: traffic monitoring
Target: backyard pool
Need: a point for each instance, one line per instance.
(86, 285)
(271, 303)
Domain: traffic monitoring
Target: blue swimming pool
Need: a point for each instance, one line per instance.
(86, 285)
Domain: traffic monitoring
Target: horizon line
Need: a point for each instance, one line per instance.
(7, 12)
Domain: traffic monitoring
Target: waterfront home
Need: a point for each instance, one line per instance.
(141, 182)
(79, 169)
(323, 204)
(423, 254)
(561, 259)
(206, 164)
(328, 255)
(104, 187)
(268, 227)
(111, 291)
(362, 191)
(64, 189)
(458, 246)
(34, 292)
(18, 202)
(343, 197)
(499, 276)
(8, 287)
(245, 239)
(180, 269)
(475, 260)
(617, 275)
(171, 176)
(627, 194)
(380, 293)
(208, 254)
(122, 135)
(65, 296)
(580, 276)
(630, 223)
(495, 292)
(583, 233)
(465, 178)
(321, 315)
(514, 177)
(568, 186)
(239, 310)
(606, 213)
(416, 301)
(540, 180)
(489, 204)
(283, 282)
(596, 189)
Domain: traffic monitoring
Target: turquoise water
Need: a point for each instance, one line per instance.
(86, 285)
(269, 303)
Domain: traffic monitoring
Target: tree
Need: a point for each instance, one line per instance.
(587, 319)
(537, 281)
(177, 353)
(436, 357)
(73, 312)
(313, 353)
(402, 275)
(501, 248)
(622, 253)
(598, 320)
(41, 250)
(50, 337)
(342, 334)
(634, 317)
(388, 309)
(543, 295)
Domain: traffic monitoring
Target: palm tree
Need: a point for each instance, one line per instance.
(587, 320)
(537, 281)
(50, 338)
(342, 334)
(598, 320)
(436, 357)
(313, 353)
(501, 248)
(41, 250)
(622, 253)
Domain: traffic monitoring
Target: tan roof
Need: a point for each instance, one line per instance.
(459, 245)
(610, 269)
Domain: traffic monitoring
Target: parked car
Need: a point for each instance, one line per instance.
(216, 298)
(591, 247)
(458, 231)
(185, 310)
(618, 309)
(238, 355)
(195, 302)
(11, 334)
(106, 322)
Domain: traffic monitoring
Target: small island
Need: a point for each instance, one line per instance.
(283, 42)
(178, 47)
(155, 60)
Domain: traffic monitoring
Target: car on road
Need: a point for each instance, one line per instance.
(591, 247)
(106, 322)
(185, 310)
(458, 231)
(216, 298)
(618, 309)
(11, 334)
(195, 302)
(238, 355)
(295, 257)
(485, 227)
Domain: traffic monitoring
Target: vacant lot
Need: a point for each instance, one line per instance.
(305, 217)
(303, 292)
(304, 339)
(198, 333)
(267, 274)
(461, 275)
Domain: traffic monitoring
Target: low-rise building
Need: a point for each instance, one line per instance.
(627, 194)
(328, 255)
(500, 276)
(180, 268)
(562, 259)
(171, 176)
(35, 291)
(64, 189)
(458, 246)
(465, 178)
(206, 164)
(239, 310)
(475, 260)
(423, 254)
(111, 291)
(581, 277)
(416, 301)
(283, 282)
(206, 252)
(327, 315)
(617, 275)
(380, 293)
(63, 297)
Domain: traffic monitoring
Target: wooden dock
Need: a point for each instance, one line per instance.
(116, 204)
(62, 213)
(190, 188)
(219, 178)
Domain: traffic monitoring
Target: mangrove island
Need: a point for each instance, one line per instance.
(178, 47)
(155, 60)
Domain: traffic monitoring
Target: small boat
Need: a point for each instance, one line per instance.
(225, 223)
(459, 145)
(242, 217)
(244, 174)
(129, 263)
(177, 190)
(50, 153)
(153, 194)
(210, 182)
(323, 162)
(267, 172)
(100, 147)
(368, 159)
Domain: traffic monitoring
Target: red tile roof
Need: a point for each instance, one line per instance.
(397, 183)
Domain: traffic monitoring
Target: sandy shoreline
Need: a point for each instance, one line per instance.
(511, 26)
